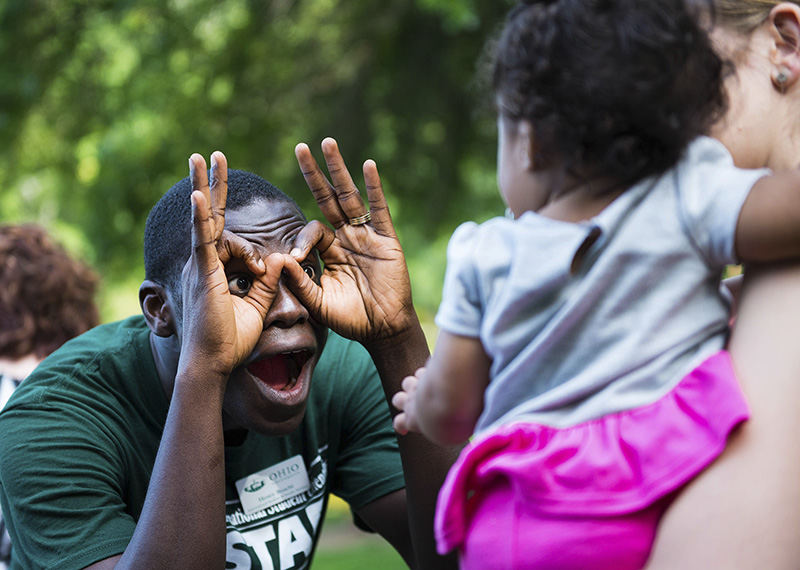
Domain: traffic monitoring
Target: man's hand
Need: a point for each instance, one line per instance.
(364, 292)
(219, 328)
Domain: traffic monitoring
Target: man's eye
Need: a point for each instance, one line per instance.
(310, 271)
(239, 285)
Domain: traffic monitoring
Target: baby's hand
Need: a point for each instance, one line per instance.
(403, 400)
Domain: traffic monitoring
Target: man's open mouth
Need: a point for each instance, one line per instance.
(280, 372)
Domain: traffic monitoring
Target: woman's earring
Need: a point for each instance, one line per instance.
(780, 79)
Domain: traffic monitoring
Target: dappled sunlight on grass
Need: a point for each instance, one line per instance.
(342, 546)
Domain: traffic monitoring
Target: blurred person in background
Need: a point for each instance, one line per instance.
(46, 298)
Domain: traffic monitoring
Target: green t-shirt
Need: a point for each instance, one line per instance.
(79, 439)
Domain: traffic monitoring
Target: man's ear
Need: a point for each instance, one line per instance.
(784, 20)
(157, 309)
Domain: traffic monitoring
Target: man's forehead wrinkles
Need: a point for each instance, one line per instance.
(284, 223)
(282, 230)
(271, 226)
(263, 218)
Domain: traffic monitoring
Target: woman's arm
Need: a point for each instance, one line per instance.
(743, 511)
(769, 222)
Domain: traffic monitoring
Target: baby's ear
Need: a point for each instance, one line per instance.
(785, 52)
(156, 309)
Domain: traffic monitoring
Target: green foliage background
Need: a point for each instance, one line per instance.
(101, 104)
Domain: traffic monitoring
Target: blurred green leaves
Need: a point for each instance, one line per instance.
(101, 104)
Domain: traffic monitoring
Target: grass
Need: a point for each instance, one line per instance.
(359, 556)
(344, 547)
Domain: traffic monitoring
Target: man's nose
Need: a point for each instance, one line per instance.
(286, 310)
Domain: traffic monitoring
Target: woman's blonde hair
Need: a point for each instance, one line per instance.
(744, 15)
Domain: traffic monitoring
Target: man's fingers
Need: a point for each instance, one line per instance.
(303, 287)
(198, 175)
(347, 194)
(219, 189)
(203, 243)
(216, 194)
(265, 287)
(339, 198)
(320, 187)
(314, 234)
(232, 246)
(378, 208)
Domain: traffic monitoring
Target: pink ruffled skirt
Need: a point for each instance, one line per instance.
(589, 495)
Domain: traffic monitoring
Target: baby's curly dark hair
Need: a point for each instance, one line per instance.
(46, 296)
(614, 89)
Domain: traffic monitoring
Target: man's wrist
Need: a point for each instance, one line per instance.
(399, 355)
(205, 381)
(410, 335)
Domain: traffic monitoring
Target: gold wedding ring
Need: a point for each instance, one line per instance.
(360, 220)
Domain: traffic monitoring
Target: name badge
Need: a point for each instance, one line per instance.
(273, 485)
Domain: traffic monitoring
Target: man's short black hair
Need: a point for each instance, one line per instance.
(167, 233)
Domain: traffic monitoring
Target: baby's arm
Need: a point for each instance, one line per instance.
(769, 222)
(445, 399)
